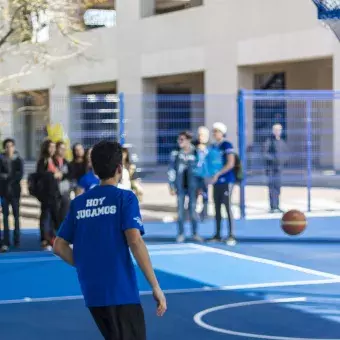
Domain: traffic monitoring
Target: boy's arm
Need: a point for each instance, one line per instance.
(62, 243)
(63, 250)
(141, 254)
(132, 226)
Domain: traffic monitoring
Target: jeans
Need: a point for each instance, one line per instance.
(49, 220)
(203, 188)
(222, 196)
(191, 194)
(64, 206)
(14, 202)
(274, 186)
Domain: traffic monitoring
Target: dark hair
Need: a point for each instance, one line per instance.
(86, 154)
(44, 149)
(74, 150)
(127, 155)
(186, 134)
(8, 140)
(106, 158)
(59, 143)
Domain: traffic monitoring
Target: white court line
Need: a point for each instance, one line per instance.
(55, 258)
(177, 252)
(46, 253)
(181, 291)
(265, 261)
(169, 245)
(199, 316)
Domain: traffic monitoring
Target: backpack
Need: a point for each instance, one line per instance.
(34, 185)
(214, 163)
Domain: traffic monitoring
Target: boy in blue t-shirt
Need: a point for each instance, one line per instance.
(223, 182)
(102, 225)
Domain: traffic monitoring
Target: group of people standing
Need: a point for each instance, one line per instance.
(55, 182)
(193, 166)
(196, 164)
(59, 180)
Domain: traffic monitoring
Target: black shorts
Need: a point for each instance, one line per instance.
(124, 322)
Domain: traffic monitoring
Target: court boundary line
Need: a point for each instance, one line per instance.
(198, 319)
(38, 259)
(31, 253)
(265, 261)
(183, 291)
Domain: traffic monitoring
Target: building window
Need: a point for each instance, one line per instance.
(101, 14)
(168, 6)
(269, 112)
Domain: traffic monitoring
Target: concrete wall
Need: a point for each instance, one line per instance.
(216, 38)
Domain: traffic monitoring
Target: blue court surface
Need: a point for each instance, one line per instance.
(270, 286)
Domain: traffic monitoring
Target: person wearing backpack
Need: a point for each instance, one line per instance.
(223, 180)
(183, 183)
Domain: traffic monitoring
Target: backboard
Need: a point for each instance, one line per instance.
(329, 14)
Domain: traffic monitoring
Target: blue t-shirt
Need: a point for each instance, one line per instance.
(226, 148)
(88, 181)
(95, 225)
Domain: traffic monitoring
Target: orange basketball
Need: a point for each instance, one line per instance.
(293, 222)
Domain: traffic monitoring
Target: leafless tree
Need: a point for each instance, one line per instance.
(28, 29)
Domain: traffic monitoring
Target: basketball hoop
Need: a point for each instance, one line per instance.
(329, 14)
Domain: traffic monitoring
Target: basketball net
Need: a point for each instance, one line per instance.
(329, 14)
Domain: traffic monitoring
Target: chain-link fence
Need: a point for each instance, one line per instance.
(149, 125)
(307, 140)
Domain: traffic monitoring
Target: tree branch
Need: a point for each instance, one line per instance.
(11, 28)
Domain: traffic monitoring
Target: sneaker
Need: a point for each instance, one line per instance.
(197, 238)
(180, 238)
(46, 246)
(231, 241)
(215, 239)
(4, 249)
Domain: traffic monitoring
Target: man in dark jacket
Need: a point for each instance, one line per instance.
(275, 155)
(11, 173)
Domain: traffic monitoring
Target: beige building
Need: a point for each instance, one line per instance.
(209, 47)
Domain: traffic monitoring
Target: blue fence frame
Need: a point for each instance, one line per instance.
(311, 101)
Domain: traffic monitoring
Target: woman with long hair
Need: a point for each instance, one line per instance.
(77, 166)
(50, 175)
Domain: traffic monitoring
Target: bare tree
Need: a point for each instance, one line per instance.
(28, 29)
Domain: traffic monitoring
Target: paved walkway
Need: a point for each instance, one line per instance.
(323, 200)
(159, 205)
